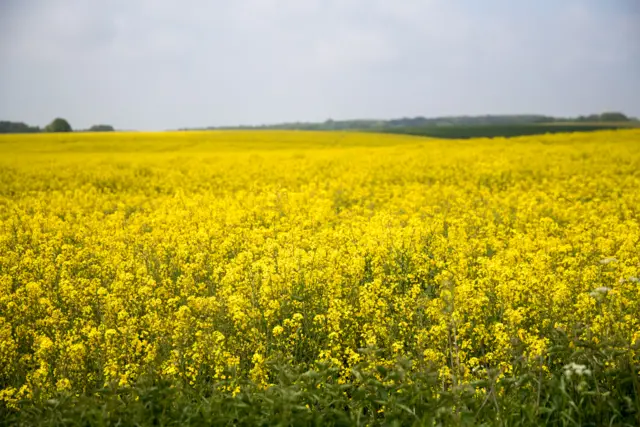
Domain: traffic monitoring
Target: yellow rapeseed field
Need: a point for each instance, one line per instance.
(208, 257)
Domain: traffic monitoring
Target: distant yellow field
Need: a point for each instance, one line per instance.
(210, 256)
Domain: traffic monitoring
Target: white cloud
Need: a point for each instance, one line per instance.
(159, 63)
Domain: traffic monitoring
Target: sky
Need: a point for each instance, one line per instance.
(164, 64)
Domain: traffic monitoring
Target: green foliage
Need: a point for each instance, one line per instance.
(364, 124)
(17, 127)
(58, 125)
(613, 117)
(591, 386)
(101, 128)
(610, 116)
(492, 131)
(465, 126)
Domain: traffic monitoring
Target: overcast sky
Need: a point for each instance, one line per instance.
(158, 64)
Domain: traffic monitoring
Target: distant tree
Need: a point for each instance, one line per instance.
(58, 125)
(101, 128)
(613, 116)
(17, 127)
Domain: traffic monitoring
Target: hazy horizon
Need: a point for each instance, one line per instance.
(153, 65)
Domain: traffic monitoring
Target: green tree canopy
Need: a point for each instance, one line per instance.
(17, 127)
(613, 116)
(58, 125)
(101, 128)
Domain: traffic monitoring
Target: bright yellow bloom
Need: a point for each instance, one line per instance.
(207, 257)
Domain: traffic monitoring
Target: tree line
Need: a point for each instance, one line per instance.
(57, 125)
(445, 121)
(401, 124)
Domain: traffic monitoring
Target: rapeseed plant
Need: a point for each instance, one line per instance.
(393, 265)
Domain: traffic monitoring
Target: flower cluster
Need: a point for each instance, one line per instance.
(206, 258)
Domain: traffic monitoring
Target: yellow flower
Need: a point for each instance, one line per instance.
(209, 257)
